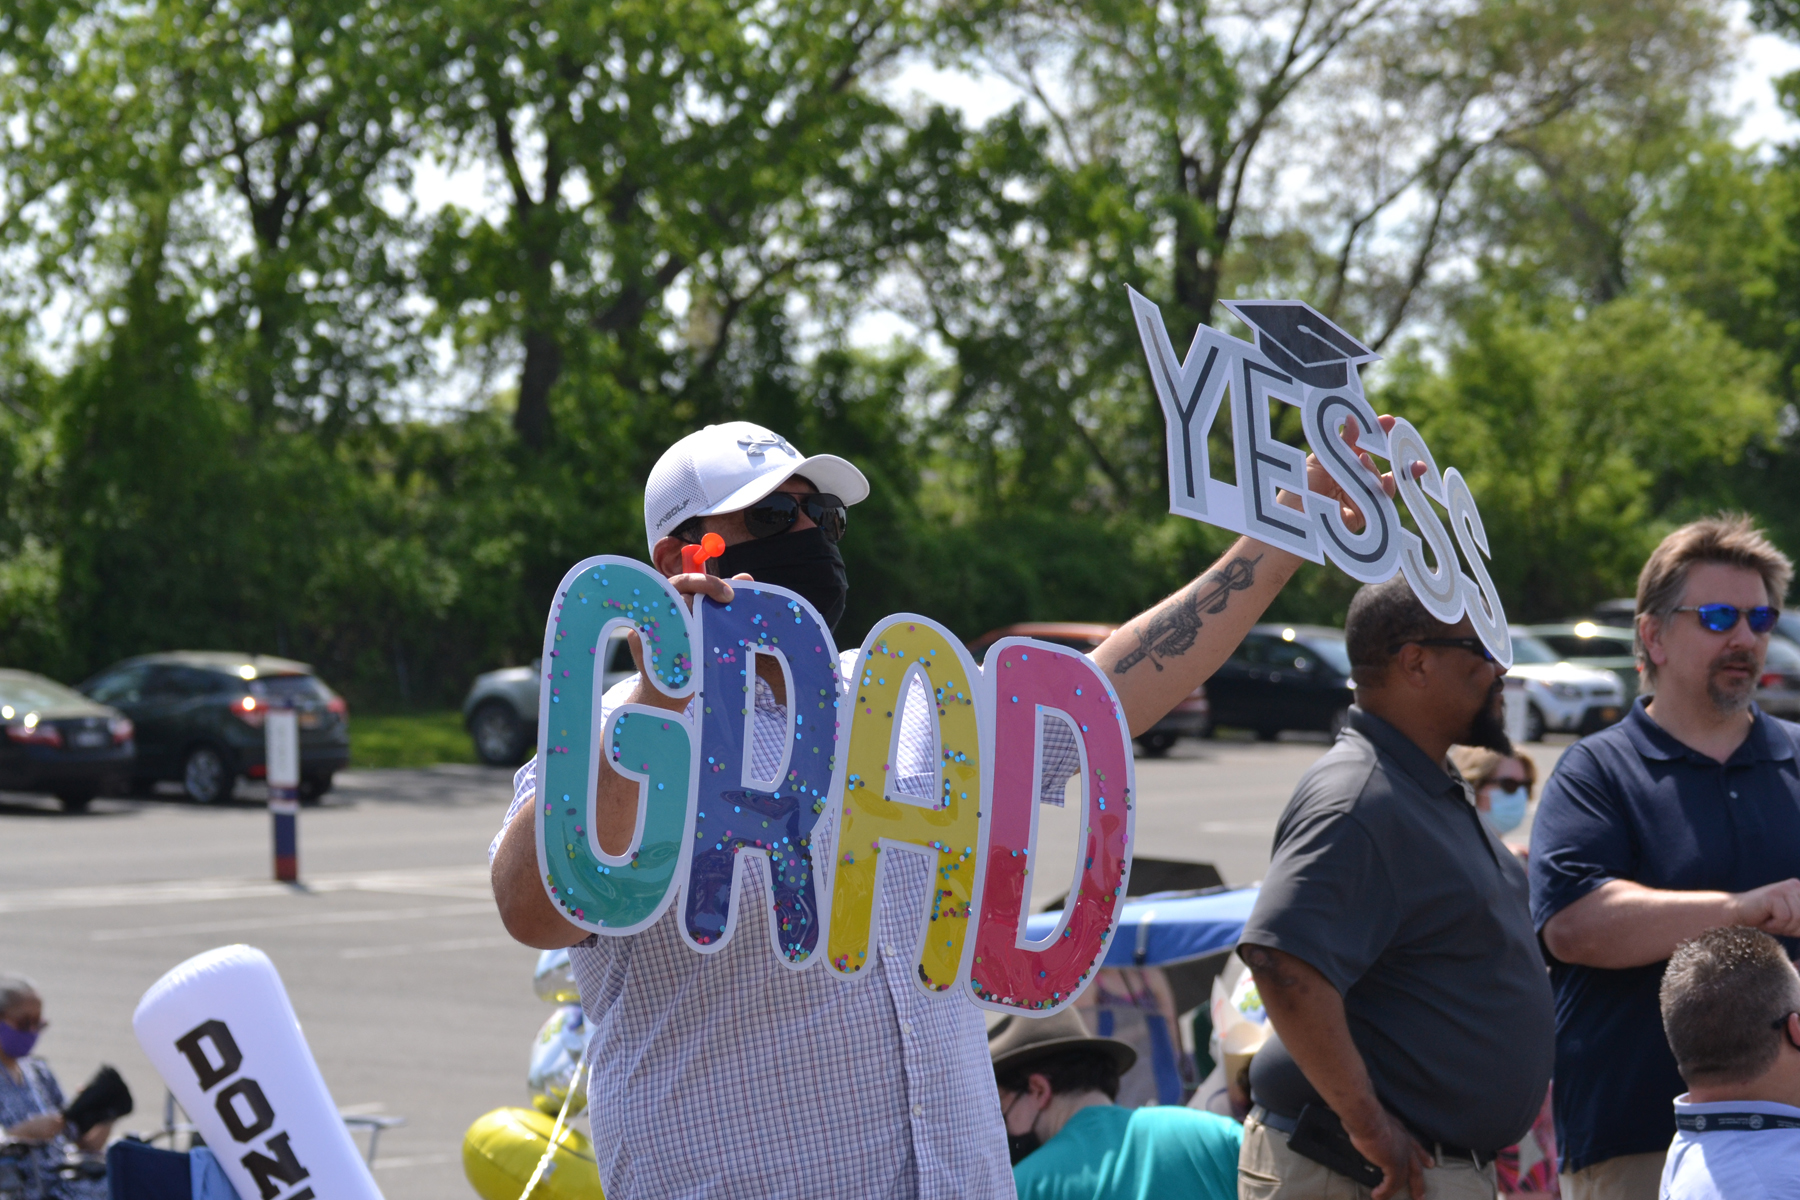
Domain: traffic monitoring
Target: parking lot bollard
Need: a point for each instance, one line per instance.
(281, 744)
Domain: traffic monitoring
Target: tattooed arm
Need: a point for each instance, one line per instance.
(1308, 1015)
(1156, 659)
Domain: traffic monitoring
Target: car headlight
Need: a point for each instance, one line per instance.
(1565, 691)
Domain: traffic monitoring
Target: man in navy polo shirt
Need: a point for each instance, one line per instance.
(1684, 817)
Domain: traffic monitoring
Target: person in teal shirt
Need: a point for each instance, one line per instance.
(1069, 1141)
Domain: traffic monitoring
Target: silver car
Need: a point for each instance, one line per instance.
(501, 710)
(1562, 696)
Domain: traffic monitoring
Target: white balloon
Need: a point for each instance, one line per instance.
(220, 1031)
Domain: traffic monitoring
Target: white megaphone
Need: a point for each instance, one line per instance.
(221, 1032)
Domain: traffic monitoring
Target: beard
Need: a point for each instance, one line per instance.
(1488, 728)
(1732, 695)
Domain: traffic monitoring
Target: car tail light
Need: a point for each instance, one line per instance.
(1771, 679)
(251, 711)
(121, 730)
(337, 705)
(33, 732)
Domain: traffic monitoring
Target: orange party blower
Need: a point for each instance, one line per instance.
(693, 558)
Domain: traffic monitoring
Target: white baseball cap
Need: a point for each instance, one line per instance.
(723, 468)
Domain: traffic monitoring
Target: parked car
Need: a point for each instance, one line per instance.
(1284, 677)
(199, 717)
(501, 710)
(1778, 691)
(1608, 647)
(1562, 696)
(1191, 718)
(59, 741)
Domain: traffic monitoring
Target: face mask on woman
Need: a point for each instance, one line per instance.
(1506, 807)
(16, 1042)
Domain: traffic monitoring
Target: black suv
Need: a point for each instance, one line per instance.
(1284, 677)
(199, 718)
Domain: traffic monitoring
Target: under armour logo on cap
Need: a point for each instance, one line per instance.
(755, 444)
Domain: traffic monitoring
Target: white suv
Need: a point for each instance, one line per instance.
(1560, 695)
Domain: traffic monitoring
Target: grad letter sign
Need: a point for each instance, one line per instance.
(827, 817)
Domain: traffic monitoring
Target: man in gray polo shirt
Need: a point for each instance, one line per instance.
(1391, 942)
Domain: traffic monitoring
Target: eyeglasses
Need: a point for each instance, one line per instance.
(1723, 618)
(777, 512)
(35, 1027)
(1472, 645)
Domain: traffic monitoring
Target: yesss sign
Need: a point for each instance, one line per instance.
(829, 813)
(1301, 358)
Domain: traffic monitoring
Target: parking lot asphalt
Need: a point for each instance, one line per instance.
(413, 999)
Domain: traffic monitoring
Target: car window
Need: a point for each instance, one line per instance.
(124, 686)
(289, 689)
(1259, 650)
(1570, 646)
(27, 692)
(1530, 651)
(1331, 652)
(1783, 656)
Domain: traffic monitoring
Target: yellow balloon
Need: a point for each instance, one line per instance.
(502, 1149)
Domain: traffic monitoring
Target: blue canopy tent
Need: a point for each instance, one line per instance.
(1167, 928)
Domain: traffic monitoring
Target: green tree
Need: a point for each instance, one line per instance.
(1579, 433)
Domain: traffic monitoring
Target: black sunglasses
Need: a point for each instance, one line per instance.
(1472, 645)
(777, 512)
(1723, 618)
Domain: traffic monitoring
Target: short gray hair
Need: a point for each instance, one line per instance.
(14, 989)
(1722, 995)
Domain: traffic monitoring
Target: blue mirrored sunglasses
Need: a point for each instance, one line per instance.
(1723, 618)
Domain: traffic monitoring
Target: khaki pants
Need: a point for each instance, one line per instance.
(1268, 1170)
(1627, 1177)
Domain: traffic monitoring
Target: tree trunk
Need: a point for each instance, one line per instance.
(1195, 278)
(543, 365)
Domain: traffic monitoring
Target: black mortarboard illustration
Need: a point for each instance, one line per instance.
(1302, 341)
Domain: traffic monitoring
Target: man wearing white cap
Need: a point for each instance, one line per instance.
(727, 1075)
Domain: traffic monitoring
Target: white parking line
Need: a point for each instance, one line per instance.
(456, 883)
(404, 948)
(417, 1160)
(300, 921)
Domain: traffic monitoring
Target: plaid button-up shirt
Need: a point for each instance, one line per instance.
(728, 1075)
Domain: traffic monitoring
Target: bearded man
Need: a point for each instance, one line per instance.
(1391, 942)
(1683, 817)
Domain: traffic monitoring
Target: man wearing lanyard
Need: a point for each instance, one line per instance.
(1683, 817)
(726, 1075)
(1731, 1009)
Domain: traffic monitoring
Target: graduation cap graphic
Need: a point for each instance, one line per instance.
(1302, 341)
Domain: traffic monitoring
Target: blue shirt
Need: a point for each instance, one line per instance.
(1633, 803)
(1734, 1161)
(1157, 1153)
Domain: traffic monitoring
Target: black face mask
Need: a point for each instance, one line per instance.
(801, 561)
(1019, 1145)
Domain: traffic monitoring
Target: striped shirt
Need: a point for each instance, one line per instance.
(729, 1075)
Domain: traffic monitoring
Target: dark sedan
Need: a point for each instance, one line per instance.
(61, 742)
(1284, 677)
(200, 713)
